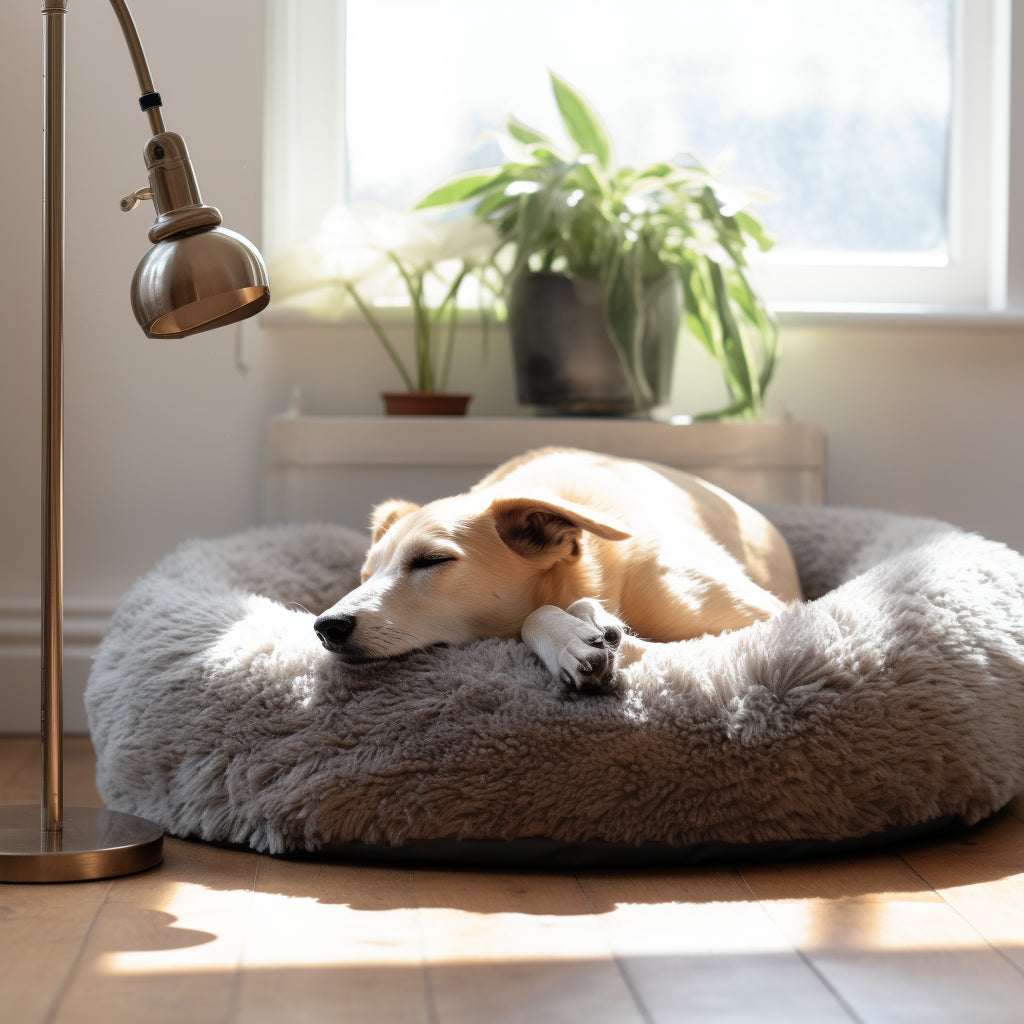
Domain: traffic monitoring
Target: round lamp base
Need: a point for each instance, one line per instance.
(94, 843)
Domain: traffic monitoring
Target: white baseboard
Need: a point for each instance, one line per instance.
(85, 621)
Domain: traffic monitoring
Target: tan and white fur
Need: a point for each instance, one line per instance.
(587, 557)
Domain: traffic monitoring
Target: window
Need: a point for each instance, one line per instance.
(871, 123)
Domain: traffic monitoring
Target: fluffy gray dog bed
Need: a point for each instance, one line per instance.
(892, 701)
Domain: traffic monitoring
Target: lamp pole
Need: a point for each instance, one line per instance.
(52, 583)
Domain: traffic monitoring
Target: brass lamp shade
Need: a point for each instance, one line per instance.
(198, 281)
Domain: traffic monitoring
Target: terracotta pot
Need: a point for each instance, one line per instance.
(424, 403)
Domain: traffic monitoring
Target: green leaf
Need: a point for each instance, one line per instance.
(658, 170)
(582, 176)
(494, 203)
(531, 225)
(762, 322)
(740, 409)
(701, 318)
(624, 307)
(542, 153)
(464, 187)
(741, 381)
(755, 229)
(524, 133)
(581, 122)
(742, 294)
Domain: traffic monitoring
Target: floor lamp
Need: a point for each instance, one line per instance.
(197, 276)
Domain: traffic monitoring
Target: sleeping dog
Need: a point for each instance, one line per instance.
(587, 557)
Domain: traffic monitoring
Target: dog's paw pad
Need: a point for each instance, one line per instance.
(586, 665)
(589, 685)
(582, 676)
(612, 637)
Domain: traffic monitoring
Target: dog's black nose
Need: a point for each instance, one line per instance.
(334, 630)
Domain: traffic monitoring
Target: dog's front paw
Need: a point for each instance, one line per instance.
(599, 662)
(578, 646)
(610, 629)
(587, 662)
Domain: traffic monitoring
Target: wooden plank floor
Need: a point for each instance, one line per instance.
(924, 931)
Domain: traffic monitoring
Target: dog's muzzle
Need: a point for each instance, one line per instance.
(333, 631)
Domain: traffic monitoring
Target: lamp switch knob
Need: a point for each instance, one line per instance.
(129, 202)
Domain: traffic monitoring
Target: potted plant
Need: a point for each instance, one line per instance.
(608, 261)
(370, 257)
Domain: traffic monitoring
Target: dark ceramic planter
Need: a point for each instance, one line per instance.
(566, 363)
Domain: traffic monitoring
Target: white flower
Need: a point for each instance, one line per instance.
(339, 254)
(368, 255)
(465, 238)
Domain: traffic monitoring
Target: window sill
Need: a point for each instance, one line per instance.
(788, 314)
(894, 315)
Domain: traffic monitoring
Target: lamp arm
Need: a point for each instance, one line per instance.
(150, 99)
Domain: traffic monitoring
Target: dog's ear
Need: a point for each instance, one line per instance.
(530, 526)
(386, 514)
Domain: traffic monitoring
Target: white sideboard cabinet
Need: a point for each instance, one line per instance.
(335, 468)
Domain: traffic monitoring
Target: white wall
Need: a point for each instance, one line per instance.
(921, 416)
(164, 440)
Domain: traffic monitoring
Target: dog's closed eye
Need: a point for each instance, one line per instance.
(430, 561)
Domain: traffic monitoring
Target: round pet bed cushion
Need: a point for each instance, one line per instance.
(890, 702)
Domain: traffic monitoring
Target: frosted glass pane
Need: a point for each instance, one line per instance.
(841, 108)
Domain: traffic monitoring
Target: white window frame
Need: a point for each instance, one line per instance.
(305, 169)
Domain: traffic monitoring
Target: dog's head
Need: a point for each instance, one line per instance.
(455, 570)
